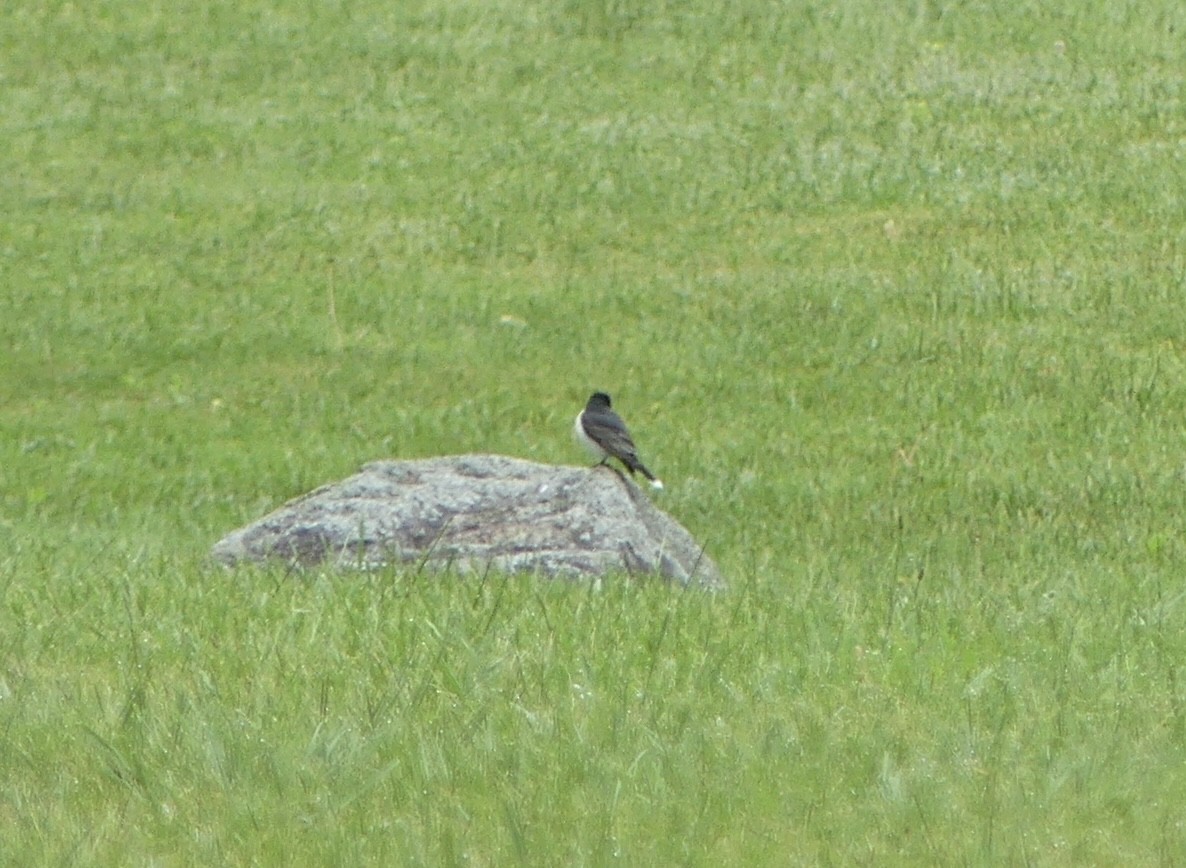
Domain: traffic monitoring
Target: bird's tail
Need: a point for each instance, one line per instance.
(635, 464)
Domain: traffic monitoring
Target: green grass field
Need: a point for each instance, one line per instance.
(891, 294)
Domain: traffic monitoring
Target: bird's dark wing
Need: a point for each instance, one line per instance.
(609, 432)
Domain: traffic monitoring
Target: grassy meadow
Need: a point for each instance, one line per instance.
(891, 295)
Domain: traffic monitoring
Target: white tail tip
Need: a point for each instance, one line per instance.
(656, 483)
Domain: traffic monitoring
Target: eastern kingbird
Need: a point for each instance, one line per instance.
(603, 434)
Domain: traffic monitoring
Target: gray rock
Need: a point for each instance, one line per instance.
(473, 513)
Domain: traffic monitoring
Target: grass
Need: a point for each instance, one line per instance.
(915, 272)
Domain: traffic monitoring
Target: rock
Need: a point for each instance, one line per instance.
(473, 513)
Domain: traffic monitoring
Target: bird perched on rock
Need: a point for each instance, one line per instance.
(603, 434)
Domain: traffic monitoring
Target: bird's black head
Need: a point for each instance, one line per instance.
(598, 399)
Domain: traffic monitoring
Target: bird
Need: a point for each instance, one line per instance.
(603, 434)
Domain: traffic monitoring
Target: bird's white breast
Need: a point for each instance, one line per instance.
(578, 434)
